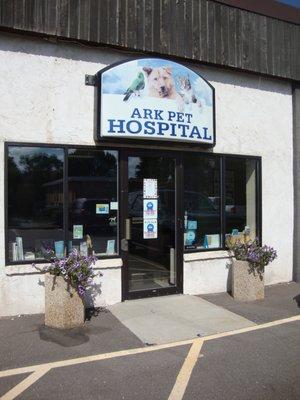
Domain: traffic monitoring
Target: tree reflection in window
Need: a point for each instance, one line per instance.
(35, 201)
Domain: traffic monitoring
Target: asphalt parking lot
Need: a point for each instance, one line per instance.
(105, 360)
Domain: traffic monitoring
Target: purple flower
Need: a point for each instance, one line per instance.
(81, 290)
(251, 251)
(77, 269)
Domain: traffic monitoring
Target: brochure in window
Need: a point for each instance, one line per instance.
(110, 248)
(19, 242)
(13, 251)
(59, 249)
(212, 241)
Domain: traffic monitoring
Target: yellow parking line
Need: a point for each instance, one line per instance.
(185, 373)
(39, 370)
(96, 357)
(18, 389)
(253, 328)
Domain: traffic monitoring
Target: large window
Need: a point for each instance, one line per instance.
(202, 217)
(240, 196)
(220, 197)
(93, 201)
(59, 199)
(62, 197)
(34, 202)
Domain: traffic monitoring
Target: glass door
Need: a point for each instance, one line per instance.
(149, 245)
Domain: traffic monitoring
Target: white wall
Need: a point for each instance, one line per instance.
(44, 99)
(22, 288)
(206, 272)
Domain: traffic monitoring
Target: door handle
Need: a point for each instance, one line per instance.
(127, 229)
(124, 245)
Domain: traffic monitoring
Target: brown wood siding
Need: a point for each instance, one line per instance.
(202, 30)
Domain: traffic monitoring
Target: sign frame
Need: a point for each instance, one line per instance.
(142, 140)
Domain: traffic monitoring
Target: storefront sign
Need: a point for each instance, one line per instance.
(158, 99)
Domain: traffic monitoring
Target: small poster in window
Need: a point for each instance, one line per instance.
(113, 205)
(102, 208)
(150, 229)
(77, 231)
(150, 188)
(189, 237)
(150, 208)
(192, 224)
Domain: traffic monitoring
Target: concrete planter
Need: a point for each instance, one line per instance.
(245, 285)
(64, 308)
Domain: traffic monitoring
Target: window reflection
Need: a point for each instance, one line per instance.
(240, 202)
(201, 202)
(93, 201)
(35, 202)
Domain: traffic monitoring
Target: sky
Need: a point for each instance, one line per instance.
(294, 3)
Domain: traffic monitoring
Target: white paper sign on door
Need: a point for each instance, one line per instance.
(150, 229)
(150, 188)
(150, 208)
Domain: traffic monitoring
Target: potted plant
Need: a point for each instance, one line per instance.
(247, 274)
(66, 281)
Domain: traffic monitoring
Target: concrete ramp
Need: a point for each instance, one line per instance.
(173, 318)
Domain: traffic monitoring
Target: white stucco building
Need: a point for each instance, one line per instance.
(45, 101)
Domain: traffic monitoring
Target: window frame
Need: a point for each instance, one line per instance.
(258, 197)
(119, 149)
(65, 149)
(219, 157)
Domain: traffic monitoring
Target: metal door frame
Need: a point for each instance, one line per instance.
(123, 196)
